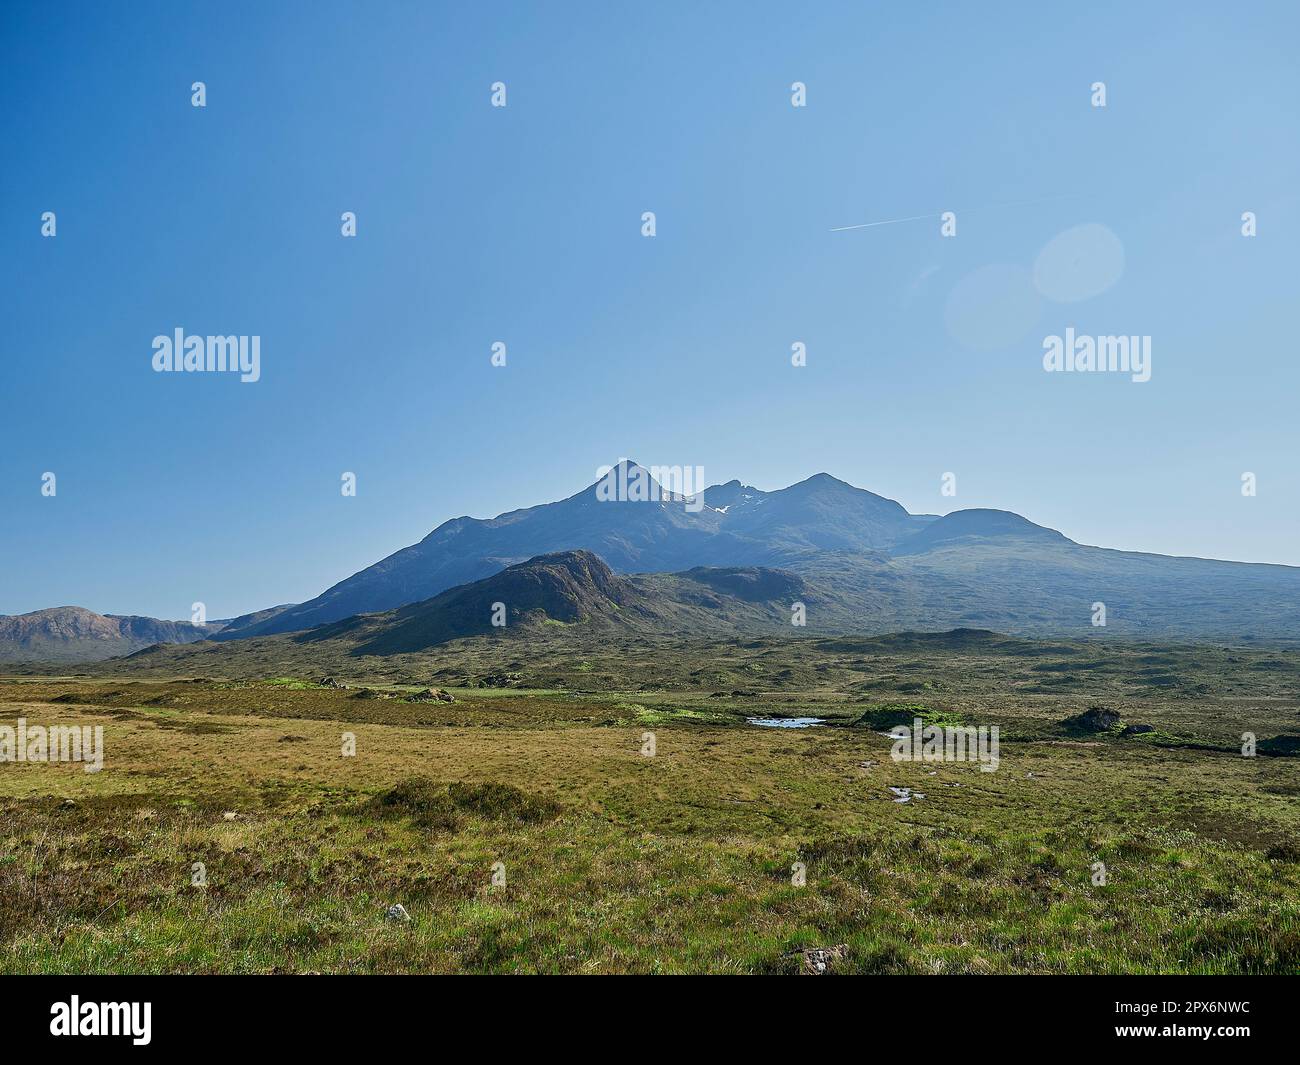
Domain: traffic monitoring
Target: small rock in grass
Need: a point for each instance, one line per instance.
(430, 695)
(817, 960)
(905, 794)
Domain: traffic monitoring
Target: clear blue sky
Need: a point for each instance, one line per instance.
(522, 224)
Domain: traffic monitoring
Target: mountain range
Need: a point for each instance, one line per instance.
(736, 526)
(859, 561)
(883, 568)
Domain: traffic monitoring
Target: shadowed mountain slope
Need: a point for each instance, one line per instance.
(574, 588)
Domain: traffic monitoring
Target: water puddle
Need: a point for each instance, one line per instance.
(786, 722)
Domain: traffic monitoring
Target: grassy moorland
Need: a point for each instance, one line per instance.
(615, 861)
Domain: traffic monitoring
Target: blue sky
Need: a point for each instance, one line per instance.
(522, 224)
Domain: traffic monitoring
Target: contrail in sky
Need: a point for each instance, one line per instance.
(886, 222)
(936, 214)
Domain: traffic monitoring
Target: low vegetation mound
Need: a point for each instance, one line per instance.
(430, 804)
(1094, 719)
(1283, 746)
(502, 802)
(887, 716)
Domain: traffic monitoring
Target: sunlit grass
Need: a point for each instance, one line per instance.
(618, 862)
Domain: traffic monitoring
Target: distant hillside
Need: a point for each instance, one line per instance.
(73, 634)
(248, 620)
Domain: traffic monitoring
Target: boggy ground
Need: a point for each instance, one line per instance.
(616, 861)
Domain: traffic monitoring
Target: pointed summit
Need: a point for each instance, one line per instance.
(622, 472)
(820, 482)
(629, 481)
